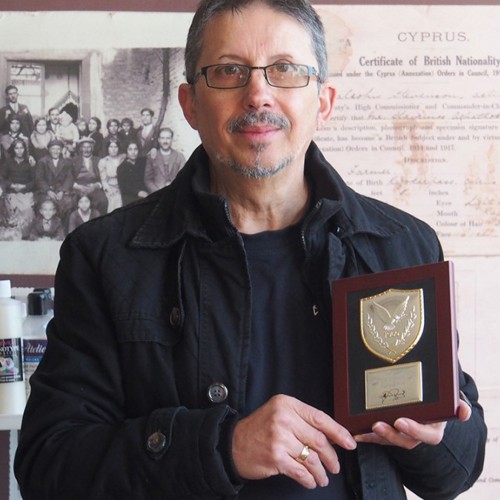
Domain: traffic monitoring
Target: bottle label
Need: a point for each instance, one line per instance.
(11, 358)
(33, 351)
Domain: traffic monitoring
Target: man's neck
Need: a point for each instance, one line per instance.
(269, 204)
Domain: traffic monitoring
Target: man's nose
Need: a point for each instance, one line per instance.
(258, 92)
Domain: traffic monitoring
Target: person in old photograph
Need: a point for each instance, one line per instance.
(130, 175)
(67, 130)
(83, 129)
(190, 354)
(95, 133)
(83, 212)
(40, 138)
(47, 224)
(54, 180)
(14, 132)
(53, 120)
(17, 177)
(14, 107)
(112, 129)
(146, 133)
(108, 167)
(86, 175)
(127, 133)
(162, 168)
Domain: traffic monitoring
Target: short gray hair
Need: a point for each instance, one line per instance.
(301, 10)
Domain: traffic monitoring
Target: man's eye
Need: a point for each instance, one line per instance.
(229, 70)
(284, 68)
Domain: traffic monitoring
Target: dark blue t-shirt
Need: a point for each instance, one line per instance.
(291, 347)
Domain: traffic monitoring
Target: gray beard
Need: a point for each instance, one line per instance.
(255, 171)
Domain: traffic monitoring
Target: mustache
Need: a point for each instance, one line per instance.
(254, 118)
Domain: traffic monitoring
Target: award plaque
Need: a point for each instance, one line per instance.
(395, 347)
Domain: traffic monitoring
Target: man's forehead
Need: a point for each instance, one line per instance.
(256, 26)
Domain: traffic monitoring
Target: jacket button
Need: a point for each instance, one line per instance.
(217, 392)
(156, 442)
(175, 317)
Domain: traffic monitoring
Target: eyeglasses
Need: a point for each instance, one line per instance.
(233, 76)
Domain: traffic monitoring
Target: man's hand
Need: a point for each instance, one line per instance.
(407, 433)
(269, 441)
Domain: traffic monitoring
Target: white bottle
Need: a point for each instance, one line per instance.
(12, 386)
(34, 334)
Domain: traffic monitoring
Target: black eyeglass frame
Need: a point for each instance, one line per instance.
(311, 71)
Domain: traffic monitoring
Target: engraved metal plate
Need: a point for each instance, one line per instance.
(393, 385)
(392, 322)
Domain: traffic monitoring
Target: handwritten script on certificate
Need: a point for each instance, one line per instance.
(417, 114)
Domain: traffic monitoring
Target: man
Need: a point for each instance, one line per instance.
(86, 175)
(166, 163)
(13, 107)
(190, 355)
(54, 180)
(146, 133)
(54, 121)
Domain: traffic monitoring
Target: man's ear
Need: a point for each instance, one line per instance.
(187, 99)
(326, 99)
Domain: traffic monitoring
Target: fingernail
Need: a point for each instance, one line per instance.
(401, 424)
(350, 443)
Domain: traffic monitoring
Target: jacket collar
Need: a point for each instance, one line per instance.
(187, 208)
(355, 213)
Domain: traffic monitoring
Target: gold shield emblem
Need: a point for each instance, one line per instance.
(392, 322)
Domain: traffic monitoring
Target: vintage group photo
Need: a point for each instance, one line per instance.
(82, 137)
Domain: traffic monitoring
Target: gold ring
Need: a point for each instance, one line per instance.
(304, 453)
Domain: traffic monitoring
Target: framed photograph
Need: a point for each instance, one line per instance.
(395, 347)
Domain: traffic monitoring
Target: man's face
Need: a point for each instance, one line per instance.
(86, 149)
(55, 152)
(286, 119)
(12, 96)
(146, 118)
(54, 116)
(126, 127)
(165, 140)
(15, 126)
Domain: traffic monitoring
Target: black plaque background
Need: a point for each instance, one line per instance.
(362, 359)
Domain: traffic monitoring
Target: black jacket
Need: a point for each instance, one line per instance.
(152, 311)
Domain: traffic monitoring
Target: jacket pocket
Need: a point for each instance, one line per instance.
(140, 328)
